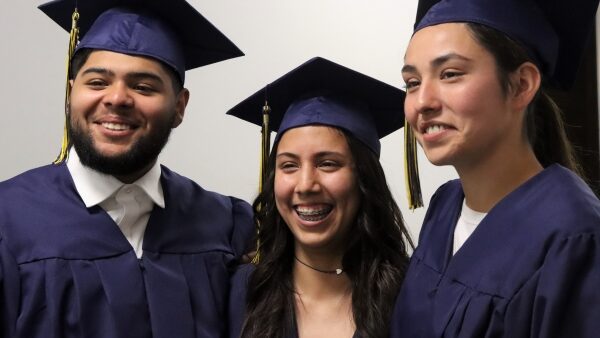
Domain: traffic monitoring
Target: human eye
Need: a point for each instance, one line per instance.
(287, 166)
(450, 74)
(411, 83)
(144, 88)
(329, 165)
(96, 83)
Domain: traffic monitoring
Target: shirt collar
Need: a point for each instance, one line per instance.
(94, 187)
(150, 183)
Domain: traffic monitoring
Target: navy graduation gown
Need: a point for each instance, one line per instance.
(237, 302)
(68, 271)
(237, 299)
(530, 269)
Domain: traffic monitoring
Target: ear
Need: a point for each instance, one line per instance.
(182, 100)
(526, 82)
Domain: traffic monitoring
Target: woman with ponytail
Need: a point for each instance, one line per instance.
(512, 248)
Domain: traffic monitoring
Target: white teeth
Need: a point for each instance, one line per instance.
(311, 214)
(115, 126)
(306, 211)
(434, 129)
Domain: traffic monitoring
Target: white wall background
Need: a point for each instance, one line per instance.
(217, 151)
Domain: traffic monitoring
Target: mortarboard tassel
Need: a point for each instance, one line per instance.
(265, 145)
(73, 41)
(411, 169)
(264, 161)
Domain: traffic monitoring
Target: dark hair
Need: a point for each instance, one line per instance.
(375, 260)
(544, 126)
(83, 54)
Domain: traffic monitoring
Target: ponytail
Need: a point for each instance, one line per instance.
(544, 125)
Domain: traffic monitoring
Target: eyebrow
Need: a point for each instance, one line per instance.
(438, 61)
(132, 75)
(317, 155)
(98, 70)
(145, 75)
(286, 154)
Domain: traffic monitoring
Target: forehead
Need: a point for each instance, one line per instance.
(119, 63)
(448, 38)
(313, 138)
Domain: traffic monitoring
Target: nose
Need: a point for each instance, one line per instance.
(427, 98)
(118, 95)
(308, 181)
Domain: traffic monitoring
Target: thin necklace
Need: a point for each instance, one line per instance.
(336, 271)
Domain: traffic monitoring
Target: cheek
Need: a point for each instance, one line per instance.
(410, 113)
(478, 98)
(283, 189)
(350, 210)
(469, 102)
(76, 102)
(83, 102)
(354, 200)
(155, 110)
(345, 189)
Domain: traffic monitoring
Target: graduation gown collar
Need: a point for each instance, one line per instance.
(511, 215)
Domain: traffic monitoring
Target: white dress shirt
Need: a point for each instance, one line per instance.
(129, 205)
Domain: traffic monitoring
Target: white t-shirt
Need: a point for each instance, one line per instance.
(467, 223)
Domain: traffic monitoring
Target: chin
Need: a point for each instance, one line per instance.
(312, 242)
(437, 158)
(322, 244)
(112, 151)
(439, 163)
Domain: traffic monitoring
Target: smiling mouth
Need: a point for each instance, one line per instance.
(116, 126)
(313, 214)
(433, 129)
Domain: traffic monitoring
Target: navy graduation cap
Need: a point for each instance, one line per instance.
(554, 32)
(322, 92)
(172, 32)
(326, 93)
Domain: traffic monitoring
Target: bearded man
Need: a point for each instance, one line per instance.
(107, 242)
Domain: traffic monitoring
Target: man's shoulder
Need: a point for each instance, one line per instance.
(205, 216)
(185, 190)
(36, 177)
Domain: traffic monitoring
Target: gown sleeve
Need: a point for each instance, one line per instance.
(566, 288)
(244, 230)
(237, 299)
(9, 291)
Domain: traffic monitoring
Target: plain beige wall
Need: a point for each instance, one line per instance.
(217, 151)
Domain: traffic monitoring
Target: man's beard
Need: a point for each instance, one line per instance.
(141, 154)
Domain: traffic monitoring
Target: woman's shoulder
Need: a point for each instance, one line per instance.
(447, 194)
(566, 202)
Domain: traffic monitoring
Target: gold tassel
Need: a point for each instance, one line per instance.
(265, 145)
(411, 169)
(264, 162)
(73, 41)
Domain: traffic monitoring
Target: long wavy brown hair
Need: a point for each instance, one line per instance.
(375, 259)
